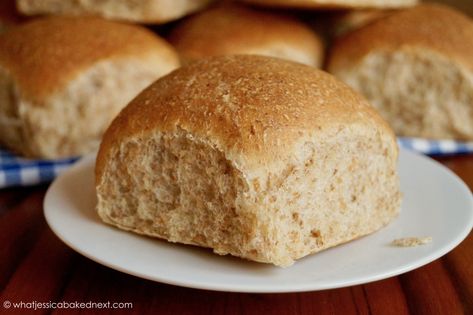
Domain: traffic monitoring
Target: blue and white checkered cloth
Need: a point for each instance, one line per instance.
(435, 147)
(16, 171)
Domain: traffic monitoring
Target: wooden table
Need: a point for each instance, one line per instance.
(36, 266)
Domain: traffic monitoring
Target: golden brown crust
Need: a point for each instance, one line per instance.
(346, 21)
(430, 26)
(44, 54)
(334, 4)
(250, 107)
(233, 29)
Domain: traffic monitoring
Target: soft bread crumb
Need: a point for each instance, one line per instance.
(411, 241)
(76, 116)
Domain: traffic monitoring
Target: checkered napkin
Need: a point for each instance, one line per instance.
(436, 147)
(16, 171)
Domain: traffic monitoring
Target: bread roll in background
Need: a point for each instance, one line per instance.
(334, 4)
(465, 6)
(141, 11)
(416, 68)
(251, 156)
(233, 29)
(62, 80)
(343, 22)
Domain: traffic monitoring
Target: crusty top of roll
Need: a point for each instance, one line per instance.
(44, 54)
(233, 29)
(435, 27)
(253, 108)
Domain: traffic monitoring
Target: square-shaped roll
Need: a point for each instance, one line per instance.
(251, 156)
(415, 67)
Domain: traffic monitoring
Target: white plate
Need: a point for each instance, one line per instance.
(436, 203)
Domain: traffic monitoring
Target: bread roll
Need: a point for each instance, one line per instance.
(416, 68)
(251, 156)
(464, 6)
(144, 11)
(233, 29)
(62, 80)
(350, 20)
(323, 4)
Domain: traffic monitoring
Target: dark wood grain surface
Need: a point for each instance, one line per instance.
(36, 266)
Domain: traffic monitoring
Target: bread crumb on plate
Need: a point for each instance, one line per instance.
(411, 241)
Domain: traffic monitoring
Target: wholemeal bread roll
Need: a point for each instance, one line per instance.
(251, 156)
(62, 80)
(334, 4)
(416, 68)
(233, 29)
(464, 6)
(144, 11)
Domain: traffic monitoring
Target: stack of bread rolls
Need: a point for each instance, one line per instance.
(214, 123)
